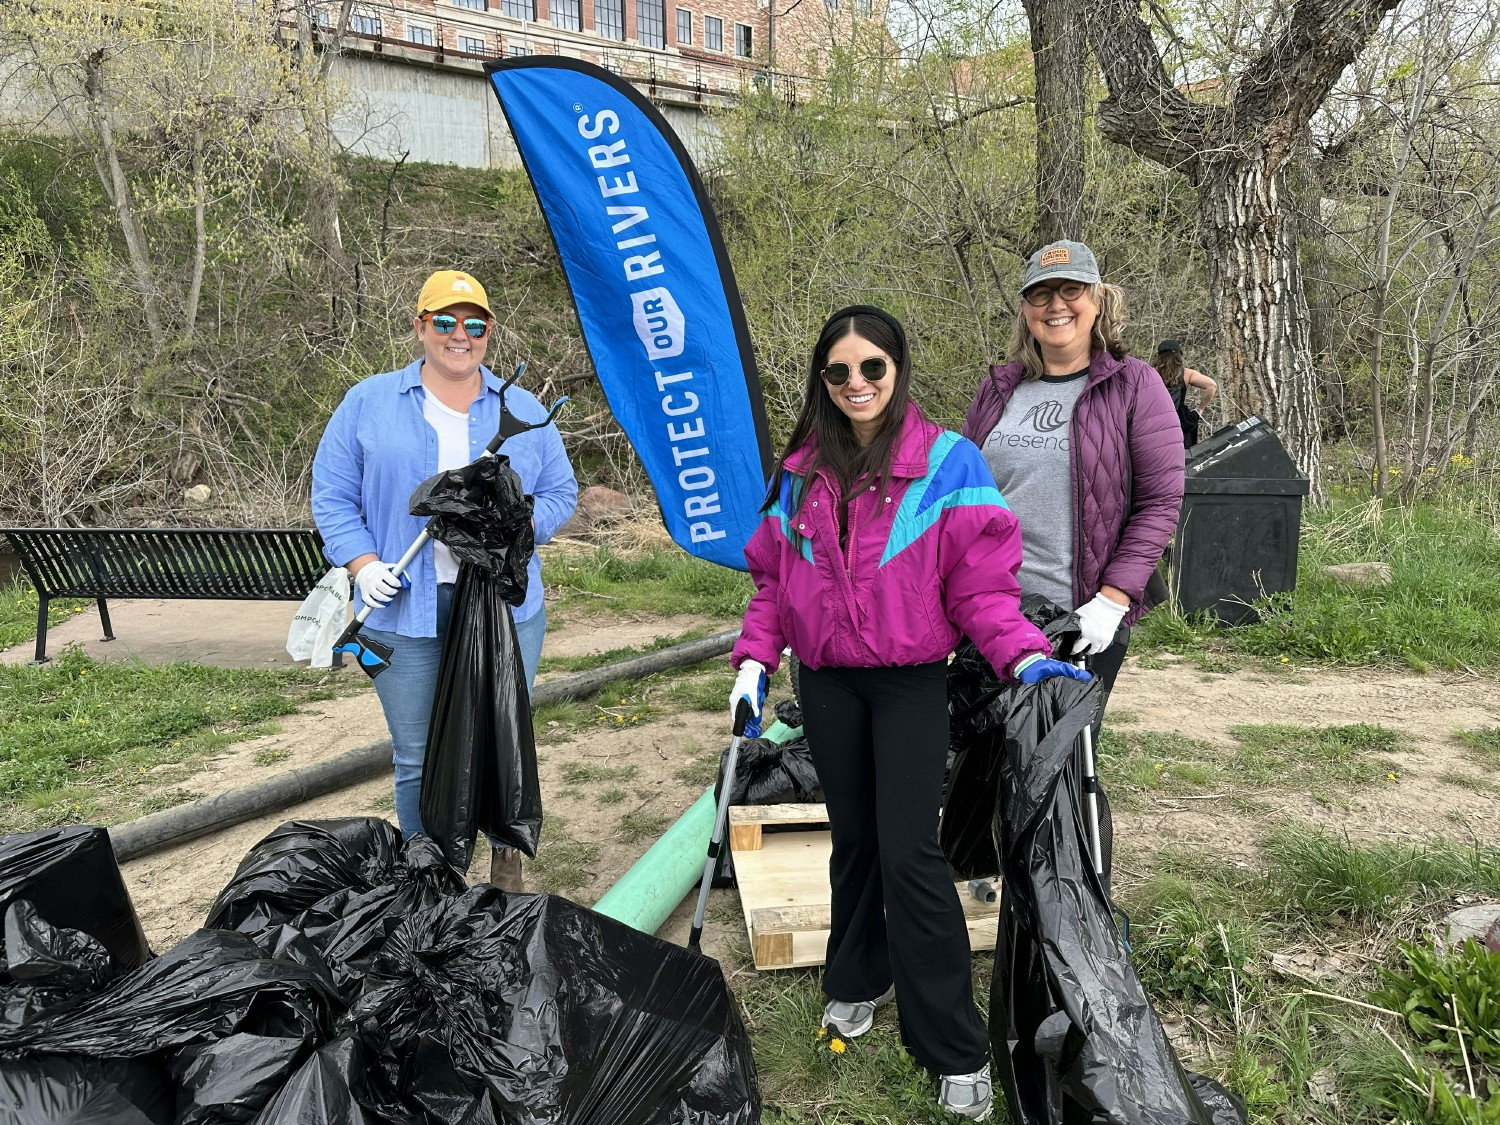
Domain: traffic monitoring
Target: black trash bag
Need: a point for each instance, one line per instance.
(301, 863)
(348, 928)
(481, 513)
(561, 1015)
(48, 964)
(1072, 1031)
(72, 1090)
(973, 785)
(231, 1079)
(330, 1087)
(771, 773)
(48, 868)
(213, 984)
(479, 773)
(789, 713)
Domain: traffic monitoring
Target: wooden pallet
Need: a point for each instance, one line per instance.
(783, 882)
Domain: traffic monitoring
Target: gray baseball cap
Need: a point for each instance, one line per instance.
(1069, 261)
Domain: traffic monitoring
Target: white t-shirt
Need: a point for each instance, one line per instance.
(453, 452)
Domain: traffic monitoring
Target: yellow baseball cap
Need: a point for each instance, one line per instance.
(451, 287)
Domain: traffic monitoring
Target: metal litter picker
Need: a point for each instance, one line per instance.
(742, 716)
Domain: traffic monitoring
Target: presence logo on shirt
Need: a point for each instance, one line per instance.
(1046, 417)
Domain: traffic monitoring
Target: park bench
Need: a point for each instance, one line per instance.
(273, 564)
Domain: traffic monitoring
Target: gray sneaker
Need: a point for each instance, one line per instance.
(850, 1021)
(968, 1095)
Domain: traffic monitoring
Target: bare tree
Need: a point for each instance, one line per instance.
(1059, 49)
(1237, 150)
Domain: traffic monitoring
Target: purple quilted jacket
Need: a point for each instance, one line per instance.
(1127, 471)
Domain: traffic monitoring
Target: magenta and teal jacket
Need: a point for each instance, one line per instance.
(931, 554)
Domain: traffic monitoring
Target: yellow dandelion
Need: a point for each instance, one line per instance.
(821, 1033)
(1286, 659)
(836, 1045)
(1390, 777)
(619, 718)
(1161, 766)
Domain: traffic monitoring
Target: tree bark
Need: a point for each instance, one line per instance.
(1059, 48)
(1265, 359)
(1237, 154)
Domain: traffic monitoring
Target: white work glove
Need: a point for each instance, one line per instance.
(749, 684)
(1098, 621)
(376, 584)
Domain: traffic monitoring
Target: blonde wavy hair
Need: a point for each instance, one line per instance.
(1108, 332)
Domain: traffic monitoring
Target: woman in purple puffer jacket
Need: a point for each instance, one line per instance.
(1084, 442)
(884, 538)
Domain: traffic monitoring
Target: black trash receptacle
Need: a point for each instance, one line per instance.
(1241, 512)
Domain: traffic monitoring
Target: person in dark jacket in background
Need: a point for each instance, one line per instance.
(1086, 448)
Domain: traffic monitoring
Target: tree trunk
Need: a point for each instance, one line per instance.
(1059, 47)
(200, 239)
(1256, 285)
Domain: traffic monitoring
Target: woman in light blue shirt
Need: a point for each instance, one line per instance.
(391, 432)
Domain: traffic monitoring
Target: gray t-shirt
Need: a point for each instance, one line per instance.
(1028, 451)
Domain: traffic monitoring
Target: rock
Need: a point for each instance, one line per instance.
(198, 495)
(1482, 923)
(597, 507)
(1360, 573)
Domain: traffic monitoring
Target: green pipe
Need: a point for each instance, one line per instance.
(648, 893)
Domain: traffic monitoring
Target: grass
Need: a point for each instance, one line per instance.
(592, 660)
(1277, 755)
(562, 863)
(1445, 570)
(1483, 745)
(643, 582)
(18, 606)
(585, 773)
(79, 737)
(642, 824)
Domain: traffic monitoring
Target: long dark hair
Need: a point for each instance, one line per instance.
(826, 429)
(1168, 364)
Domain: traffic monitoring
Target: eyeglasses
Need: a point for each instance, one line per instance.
(1041, 295)
(873, 369)
(475, 327)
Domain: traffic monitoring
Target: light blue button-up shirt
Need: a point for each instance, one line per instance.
(377, 448)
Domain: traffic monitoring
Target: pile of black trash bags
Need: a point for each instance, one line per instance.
(346, 975)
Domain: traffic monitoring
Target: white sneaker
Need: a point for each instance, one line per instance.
(852, 1020)
(968, 1095)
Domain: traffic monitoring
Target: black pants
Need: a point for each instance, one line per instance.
(879, 738)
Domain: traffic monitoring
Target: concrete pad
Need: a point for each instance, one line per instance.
(229, 634)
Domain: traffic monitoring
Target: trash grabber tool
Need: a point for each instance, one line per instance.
(375, 656)
(742, 717)
(1091, 794)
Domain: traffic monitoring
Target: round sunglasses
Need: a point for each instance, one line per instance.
(1041, 295)
(873, 369)
(475, 327)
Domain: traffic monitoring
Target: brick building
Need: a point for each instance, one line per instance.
(702, 47)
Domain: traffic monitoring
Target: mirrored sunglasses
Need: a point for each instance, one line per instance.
(873, 369)
(475, 327)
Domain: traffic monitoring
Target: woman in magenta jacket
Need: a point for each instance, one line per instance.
(1084, 441)
(884, 539)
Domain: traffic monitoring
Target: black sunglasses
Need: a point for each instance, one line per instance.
(475, 327)
(873, 369)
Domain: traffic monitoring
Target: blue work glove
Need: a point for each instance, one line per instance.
(749, 684)
(1035, 668)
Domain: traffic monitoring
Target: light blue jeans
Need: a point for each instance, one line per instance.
(406, 689)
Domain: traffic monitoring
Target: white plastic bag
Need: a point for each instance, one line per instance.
(320, 619)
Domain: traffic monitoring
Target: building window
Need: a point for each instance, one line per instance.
(422, 35)
(364, 25)
(713, 33)
(684, 27)
(744, 42)
(519, 9)
(473, 5)
(325, 21)
(833, 5)
(519, 52)
(609, 18)
(567, 14)
(469, 45)
(651, 23)
(864, 7)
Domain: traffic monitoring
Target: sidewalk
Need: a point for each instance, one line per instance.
(229, 634)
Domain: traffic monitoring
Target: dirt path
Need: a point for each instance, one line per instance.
(1420, 804)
